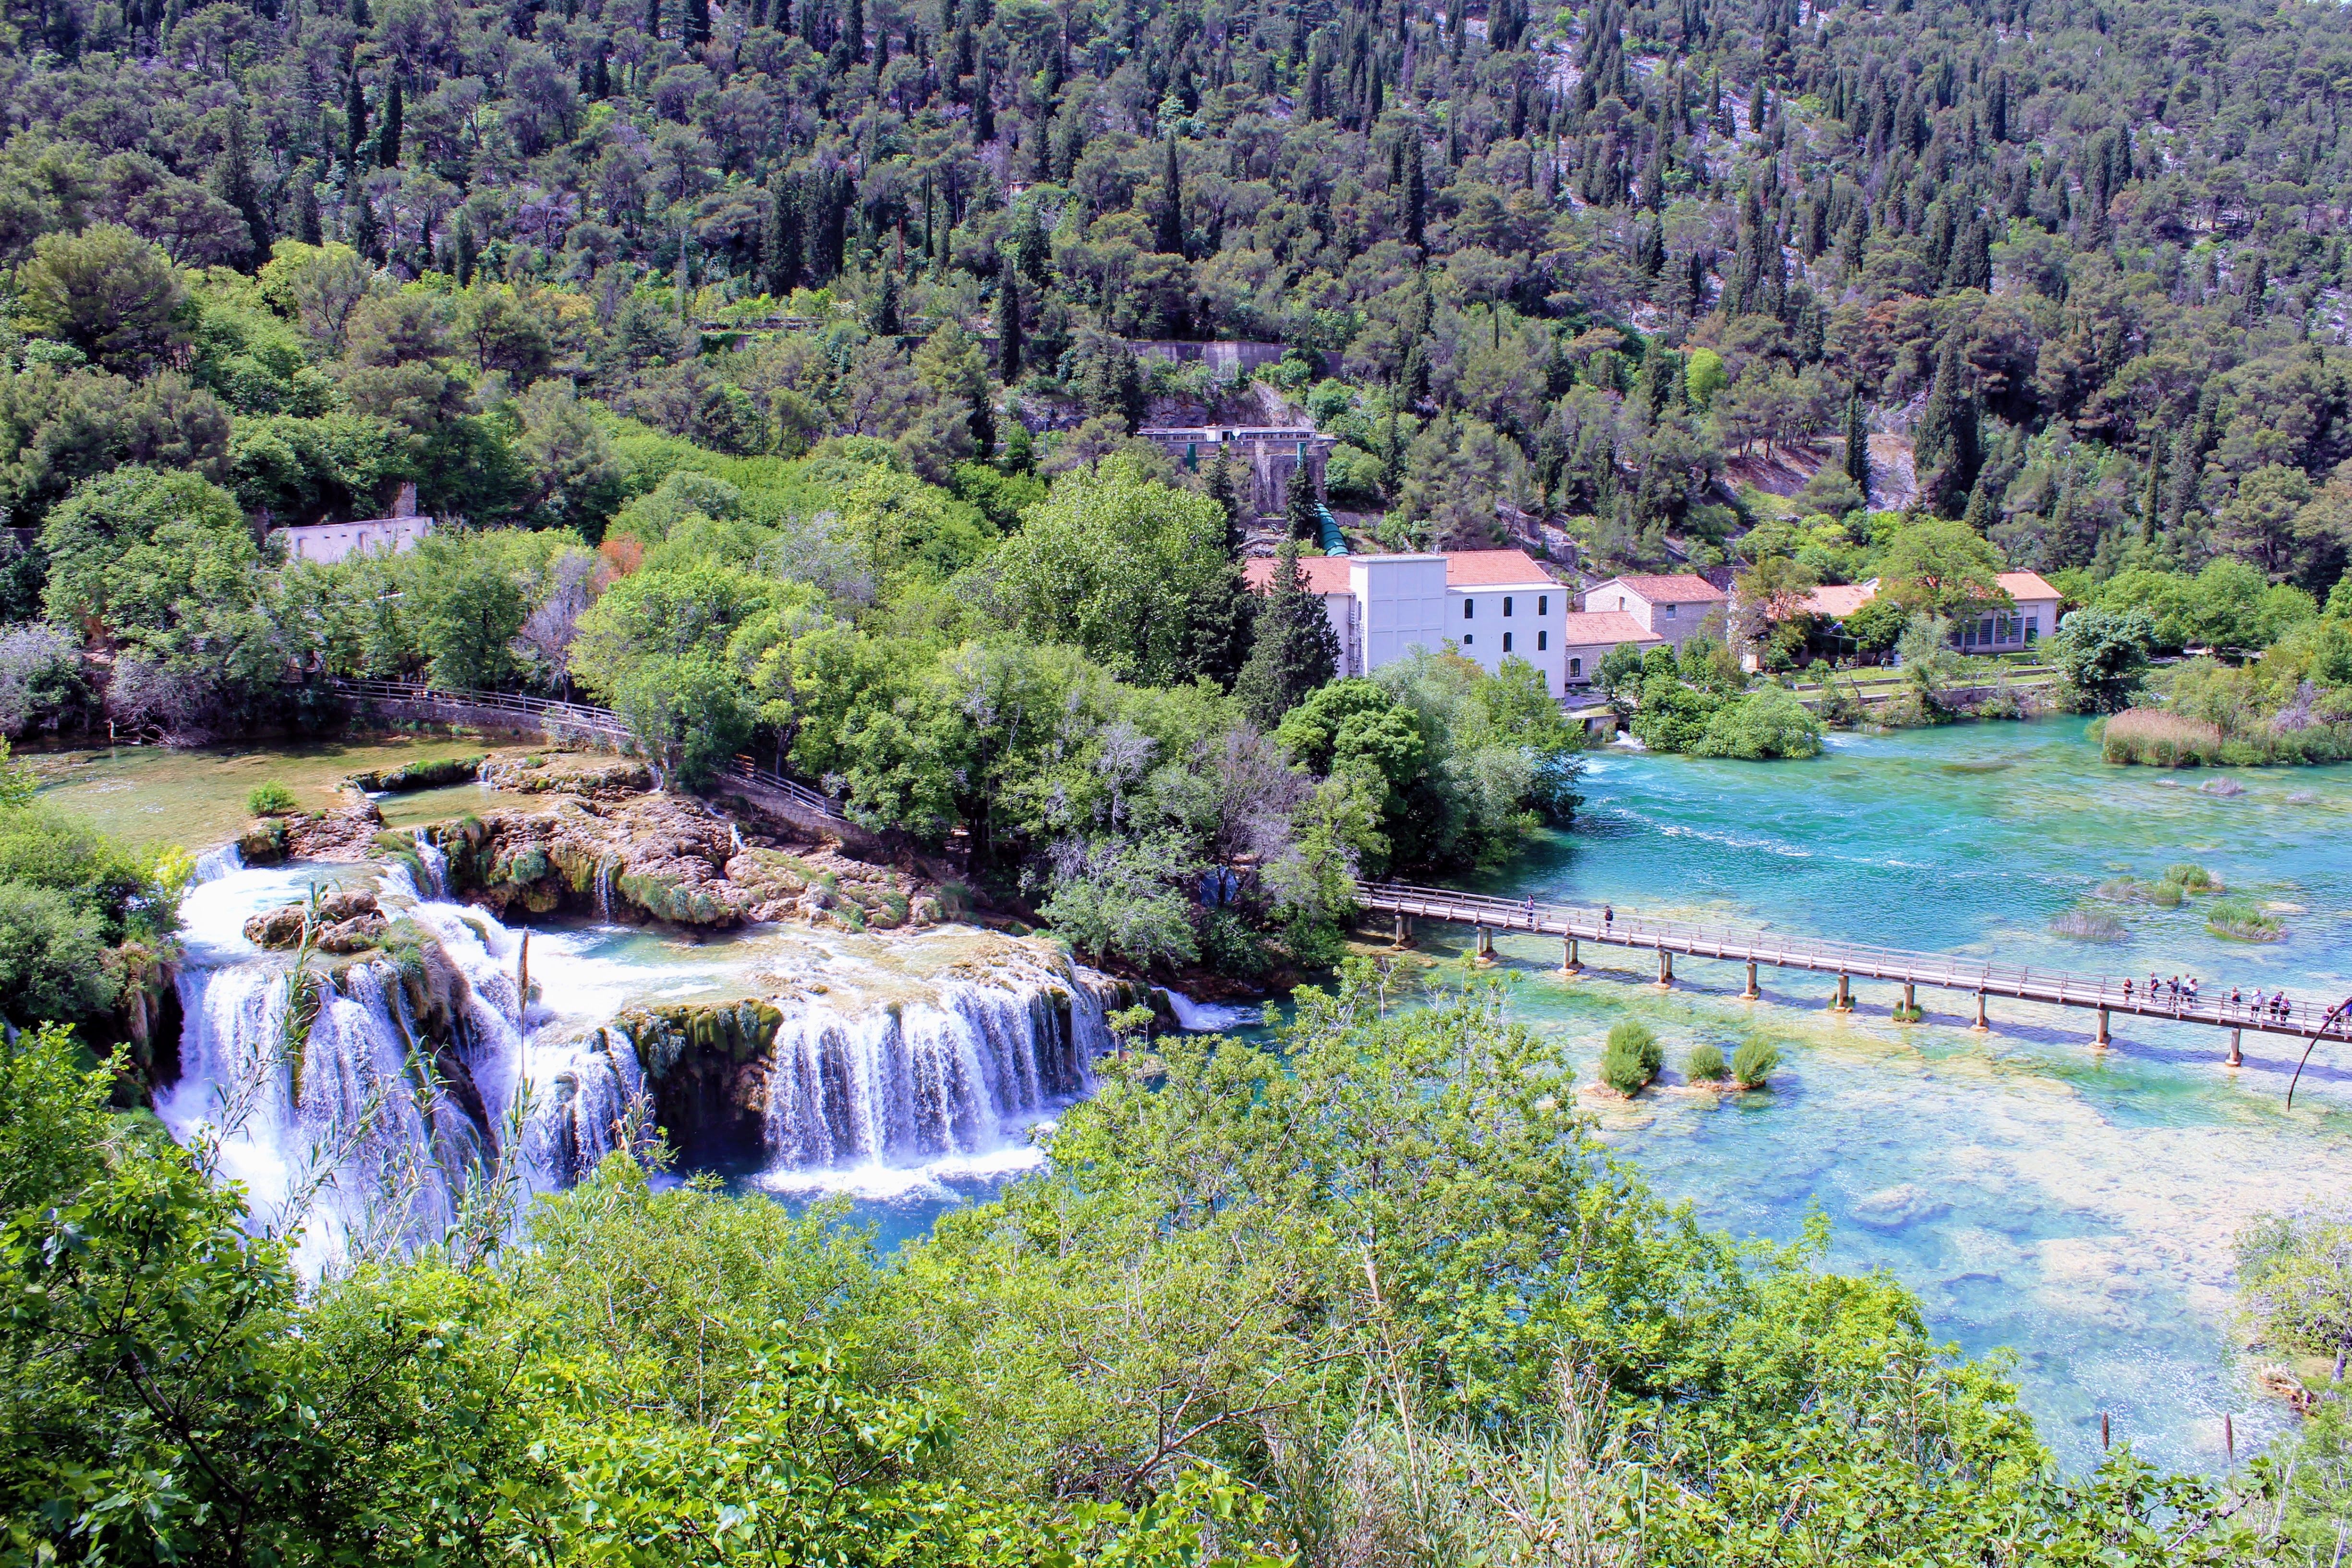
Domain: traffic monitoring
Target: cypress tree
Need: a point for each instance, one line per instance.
(652, 18)
(354, 123)
(694, 24)
(1008, 325)
(367, 233)
(984, 106)
(1416, 193)
(466, 252)
(387, 145)
(1222, 489)
(853, 32)
(1293, 649)
(1299, 506)
(307, 227)
(1030, 251)
(780, 238)
(885, 322)
(2151, 496)
(1857, 445)
(234, 183)
(360, 17)
(1170, 238)
(1944, 444)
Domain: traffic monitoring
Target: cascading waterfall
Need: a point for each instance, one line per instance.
(367, 1110)
(906, 1085)
(436, 864)
(218, 862)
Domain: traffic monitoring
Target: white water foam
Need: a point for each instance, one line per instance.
(1211, 1017)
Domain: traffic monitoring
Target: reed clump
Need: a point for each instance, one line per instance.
(2089, 925)
(2242, 920)
(2153, 737)
(1753, 1064)
(1632, 1058)
(1704, 1065)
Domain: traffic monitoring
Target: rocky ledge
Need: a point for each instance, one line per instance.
(656, 857)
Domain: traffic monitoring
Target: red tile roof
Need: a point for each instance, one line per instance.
(1836, 601)
(1683, 589)
(1324, 573)
(1492, 569)
(1593, 628)
(2025, 585)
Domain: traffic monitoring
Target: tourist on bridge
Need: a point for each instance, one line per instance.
(2126, 990)
(1608, 913)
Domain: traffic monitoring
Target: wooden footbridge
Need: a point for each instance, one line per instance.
(1849, 962)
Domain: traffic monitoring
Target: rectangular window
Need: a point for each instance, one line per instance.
(1543, 603)
(1507, 642)
(1576, 667)
(1669, 612)
(1469, 638)
(2032, 628)
(1507, 603)
(1543, 641)
(1469, 608)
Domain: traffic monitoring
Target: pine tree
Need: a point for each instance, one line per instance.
(387, 145)
(1857, 445)
(1008, 325)
(1170, 238)
(1293, 649)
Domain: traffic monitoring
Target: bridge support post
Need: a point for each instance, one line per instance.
(1844, 1002)
(2101, 1039)
(1751, 994)
(1567, 964)
(2236, 1058)
(1982, 1022)
(1486, 945)
(1665, 967)
(1398, 940)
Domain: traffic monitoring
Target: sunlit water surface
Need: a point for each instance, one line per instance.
(2074, 1206)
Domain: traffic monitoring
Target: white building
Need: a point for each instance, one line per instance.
(1673, 609)
(1490, 604)
(328, 543)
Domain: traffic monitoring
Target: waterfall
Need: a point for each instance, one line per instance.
(605, 868)
(902, 1085)
(219, 862)
(436, 864)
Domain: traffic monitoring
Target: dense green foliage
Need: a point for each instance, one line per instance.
(1377, 1297)
(84, 923)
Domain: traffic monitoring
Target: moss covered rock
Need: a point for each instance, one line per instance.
(419, 774)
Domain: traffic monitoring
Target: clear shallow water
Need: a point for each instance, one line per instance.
(2074, 1205)
(195, 797)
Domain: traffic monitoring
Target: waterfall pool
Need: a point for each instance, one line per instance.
(2073, 1206)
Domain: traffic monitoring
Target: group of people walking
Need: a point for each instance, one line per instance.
(2178, 992)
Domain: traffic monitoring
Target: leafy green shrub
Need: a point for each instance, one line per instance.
(1632, 1058)
(1753, 1063)
(2191, 878)
(270, 799)
(2240, 920)
(1767, 723)
(1703, 1065)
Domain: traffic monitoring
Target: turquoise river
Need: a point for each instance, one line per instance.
(2071, 1205)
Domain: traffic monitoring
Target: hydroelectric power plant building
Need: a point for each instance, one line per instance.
(1491, 605)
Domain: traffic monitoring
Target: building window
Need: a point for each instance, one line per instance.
(1543, 641)
(2034, 628)
(1507, 642)
(1669, 612)
(1507, 603)
(1469, 608)
(1575, 669)
(1543, 603)
(1469, 638)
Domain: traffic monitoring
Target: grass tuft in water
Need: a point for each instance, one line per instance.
(1632, 1058)
(1754, 1062)
(2191, 878)
(2239, 920)
(1703, 1065)
(2089, 925)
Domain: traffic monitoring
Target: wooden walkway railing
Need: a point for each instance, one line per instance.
(1848, 961)
(576, 718)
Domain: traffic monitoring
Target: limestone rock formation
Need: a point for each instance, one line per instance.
(345, 922)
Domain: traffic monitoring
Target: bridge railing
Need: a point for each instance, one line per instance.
(1703, 939)
(578, 716)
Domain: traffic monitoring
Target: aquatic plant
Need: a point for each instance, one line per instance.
(1754, 1062)
(2089, 925)
(2155, 738)
(2241, 919)
(1632, 1058)
(2192, 877)
(270, 799)
(1703, 1065)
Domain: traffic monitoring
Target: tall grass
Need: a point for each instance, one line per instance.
(2157, 739)
(2089, 925)
(2242, 920)
(1632, 1058)
(1752, 1064)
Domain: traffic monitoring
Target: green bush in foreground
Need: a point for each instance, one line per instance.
(270, 799)
(1632, 1058)
(1703, 1065)
(1753, 1063)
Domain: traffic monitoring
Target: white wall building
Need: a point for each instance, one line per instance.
(328, 543)
(1670, 608)
(2031, 615)
(1490, 604)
